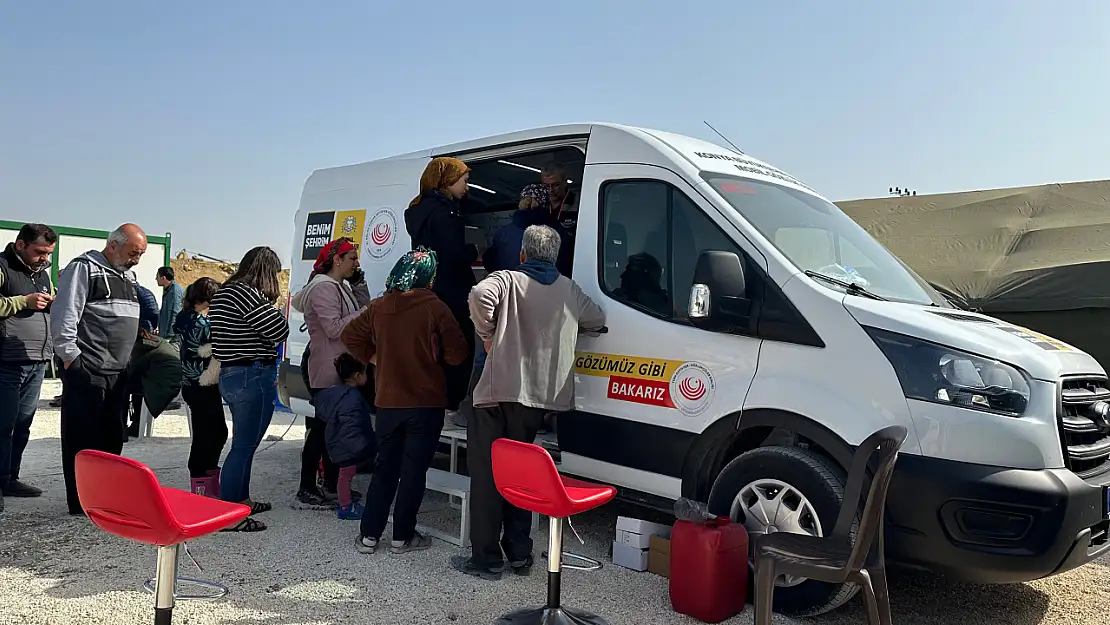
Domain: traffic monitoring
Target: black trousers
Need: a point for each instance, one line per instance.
(496, 525)
(316, 449)
(94, 407)
(407, 442)
(206, 411)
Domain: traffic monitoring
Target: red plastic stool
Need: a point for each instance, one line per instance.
(123, 497)
(527, 478)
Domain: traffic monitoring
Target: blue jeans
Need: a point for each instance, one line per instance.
(19, 399)
(250, 391)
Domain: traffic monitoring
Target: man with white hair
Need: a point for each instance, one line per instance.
(529, 319)
(94, 326)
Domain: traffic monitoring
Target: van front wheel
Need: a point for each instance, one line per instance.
(786, 489)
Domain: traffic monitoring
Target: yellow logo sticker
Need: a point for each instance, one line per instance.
(607, 365)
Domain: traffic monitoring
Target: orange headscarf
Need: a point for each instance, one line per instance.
(441, 173)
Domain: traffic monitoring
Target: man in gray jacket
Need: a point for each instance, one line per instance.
(25, 296)
(529, 319)
(94, 324)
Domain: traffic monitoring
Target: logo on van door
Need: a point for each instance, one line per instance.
(684, 386)
(381, 234)
(692, 388)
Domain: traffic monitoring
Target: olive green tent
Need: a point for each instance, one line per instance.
(1036, 256)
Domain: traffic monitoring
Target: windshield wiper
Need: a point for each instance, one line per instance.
(851, 287)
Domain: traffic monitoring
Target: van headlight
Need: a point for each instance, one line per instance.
(942, 375)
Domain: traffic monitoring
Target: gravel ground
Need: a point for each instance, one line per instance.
(304, 569)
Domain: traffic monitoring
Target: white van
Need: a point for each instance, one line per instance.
(815, 337)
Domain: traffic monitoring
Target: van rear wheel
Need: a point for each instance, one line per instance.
(785, 489)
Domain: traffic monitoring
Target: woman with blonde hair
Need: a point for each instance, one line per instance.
(434, 222)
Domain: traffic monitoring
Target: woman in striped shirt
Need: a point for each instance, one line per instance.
(246, 332)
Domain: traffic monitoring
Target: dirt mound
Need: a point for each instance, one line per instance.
(188, 269)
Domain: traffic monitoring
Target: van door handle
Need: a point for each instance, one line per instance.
(597, 332)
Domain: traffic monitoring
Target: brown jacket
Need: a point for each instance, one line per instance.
(411, 335)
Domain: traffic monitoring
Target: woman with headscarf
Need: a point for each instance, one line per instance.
(335, 293)
(411, 333)
(434, 222)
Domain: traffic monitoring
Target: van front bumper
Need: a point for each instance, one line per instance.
(987, 524)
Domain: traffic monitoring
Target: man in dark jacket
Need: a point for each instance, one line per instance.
(148, 324)
(172, 297)
(504, 252)
(94, 323)
(25, 347)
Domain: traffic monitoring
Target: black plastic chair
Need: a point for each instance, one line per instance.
(837, 558)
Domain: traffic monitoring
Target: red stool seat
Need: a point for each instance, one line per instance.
(123, 497)
(527, 478)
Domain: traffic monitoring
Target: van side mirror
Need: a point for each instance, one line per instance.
(719, 295)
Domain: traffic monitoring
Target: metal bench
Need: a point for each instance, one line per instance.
(453, 485)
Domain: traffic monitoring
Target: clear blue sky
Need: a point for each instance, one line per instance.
(205, 118)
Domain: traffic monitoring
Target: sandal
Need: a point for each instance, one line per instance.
(246, 525)
(258, 507)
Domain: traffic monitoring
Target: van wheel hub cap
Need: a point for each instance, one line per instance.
(768, 506)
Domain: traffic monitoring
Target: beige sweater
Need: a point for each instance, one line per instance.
(534, 329)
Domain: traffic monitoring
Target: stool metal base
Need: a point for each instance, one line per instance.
(218, 591)
(587, 564)
(551, 616)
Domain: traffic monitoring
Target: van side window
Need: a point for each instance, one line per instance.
(693, 233)
(635, 216)
(652, 235)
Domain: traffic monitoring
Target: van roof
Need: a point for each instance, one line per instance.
(688, 146)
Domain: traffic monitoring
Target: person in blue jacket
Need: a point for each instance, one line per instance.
(348, 431)
(534, 209)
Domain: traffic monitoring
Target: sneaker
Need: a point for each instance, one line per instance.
(352, 512)
(366, 545)
(522, 567)
(466, 566)
(15, 488)
(418, 542)
(313, 499)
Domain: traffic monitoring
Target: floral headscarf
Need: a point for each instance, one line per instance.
(441, 173)
(414, 270)
(534, 196)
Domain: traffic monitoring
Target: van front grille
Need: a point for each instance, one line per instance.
(1085, 428)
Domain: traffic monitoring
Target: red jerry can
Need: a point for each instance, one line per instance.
(709, 569)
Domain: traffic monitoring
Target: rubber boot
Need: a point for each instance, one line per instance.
(214, 475)
(201, 486)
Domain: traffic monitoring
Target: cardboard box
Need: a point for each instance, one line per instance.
(659, 556)
(639, 526)
(637, 533)
(630, 557)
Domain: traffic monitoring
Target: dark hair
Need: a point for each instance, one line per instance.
(259, 269)
(32, 233)
(347, 366)
(166, 272)
(199, 292)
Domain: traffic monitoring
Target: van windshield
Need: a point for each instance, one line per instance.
(820, 239)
